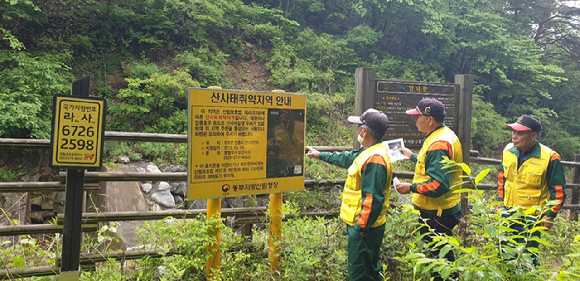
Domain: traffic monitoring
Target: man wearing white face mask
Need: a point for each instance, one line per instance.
(365, 198)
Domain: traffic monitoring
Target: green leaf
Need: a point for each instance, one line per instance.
(481, 175)
(18, 262)
(477, 207)
(444, 250)
(453, 241)
(466, 168)
(531, 210)
(539, 240)
(538, 228)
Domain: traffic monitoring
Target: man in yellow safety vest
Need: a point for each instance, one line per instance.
(365, 198)
(529, 175)
(432, 185)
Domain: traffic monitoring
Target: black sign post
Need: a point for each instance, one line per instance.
(73, 212)
(73, 208)
(76, 143)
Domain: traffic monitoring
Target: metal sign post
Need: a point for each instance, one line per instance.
(76, 143)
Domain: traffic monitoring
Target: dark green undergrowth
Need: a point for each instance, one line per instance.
(315, 249)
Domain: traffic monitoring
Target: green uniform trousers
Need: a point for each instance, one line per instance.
(523, 228)
(364, 253)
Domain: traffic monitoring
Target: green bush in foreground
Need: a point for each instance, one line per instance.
(315, 248)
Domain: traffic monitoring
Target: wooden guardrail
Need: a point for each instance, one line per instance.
(242, 215)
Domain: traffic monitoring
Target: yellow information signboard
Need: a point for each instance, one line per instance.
(77, 131)
(243, 142)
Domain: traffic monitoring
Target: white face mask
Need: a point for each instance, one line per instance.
(360, 139)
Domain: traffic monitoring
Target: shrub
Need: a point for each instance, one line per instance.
(8, 175)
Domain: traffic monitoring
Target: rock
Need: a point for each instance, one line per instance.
(152, 168)
(140, 170)
(164, 198)
(178, 188)
(178, 199)
(236, 202)
(156, 208)
(196, 204)
(146, 187)
(124, 159)
(35, 199)
(175, 169)
(163, 185)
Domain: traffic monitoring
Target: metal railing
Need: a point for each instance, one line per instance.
(242, 215)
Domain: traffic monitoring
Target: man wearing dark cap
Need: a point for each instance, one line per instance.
(530, 174)
(365, 198)
(433, 185)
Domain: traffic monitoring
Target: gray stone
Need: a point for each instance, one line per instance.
(124, 159)
(196, 204)
(236, 202)
(164, 198)
(152, 168)
(140, 170)
(163, 185)
(178, 188)
(175, 169)
(178, 199)
(146, 187)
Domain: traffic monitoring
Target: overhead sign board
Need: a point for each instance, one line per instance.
(77, 131)
(243, 142)
(395, 97)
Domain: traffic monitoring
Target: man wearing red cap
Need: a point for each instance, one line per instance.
(365, 198)
(433, 185)
(530, 175)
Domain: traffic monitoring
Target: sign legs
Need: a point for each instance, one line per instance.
(73, 213)
(275, 231)
(214, 209)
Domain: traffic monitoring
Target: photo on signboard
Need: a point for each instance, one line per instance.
(393, 147)
(285, 143)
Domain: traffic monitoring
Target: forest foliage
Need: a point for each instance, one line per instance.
(143, 55)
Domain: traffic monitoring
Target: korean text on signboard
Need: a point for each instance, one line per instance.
(244, 143)
(77, 131)
(395, 97)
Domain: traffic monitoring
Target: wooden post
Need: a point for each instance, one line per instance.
(275, 231)
(465, 82)
(364, 94)
(214, 209)
(247, 227)
(575, 191)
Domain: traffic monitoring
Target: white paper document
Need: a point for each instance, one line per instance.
(393, 147)
(402, 197)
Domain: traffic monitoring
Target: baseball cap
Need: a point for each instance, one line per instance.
(372, 118)
(429, 107)
(526, 123)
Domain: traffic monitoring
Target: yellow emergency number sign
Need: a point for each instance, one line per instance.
(243, 142)
(77, 131)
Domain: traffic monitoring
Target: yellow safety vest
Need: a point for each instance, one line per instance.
(449, 199)
(526, 186)
(352, 196)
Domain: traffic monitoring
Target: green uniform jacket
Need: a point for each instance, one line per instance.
(375, 185)
(432, 184)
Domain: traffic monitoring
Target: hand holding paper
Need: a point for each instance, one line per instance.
(402, 198)
(396, 149)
